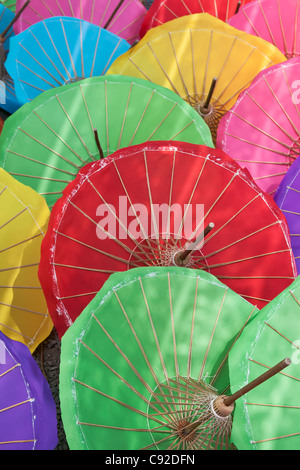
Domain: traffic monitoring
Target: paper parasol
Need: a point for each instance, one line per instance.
(202, 59)
(131, 361)
(117, 215)
(262, 130)
(47, 141)
(268, 418)
(58, 51)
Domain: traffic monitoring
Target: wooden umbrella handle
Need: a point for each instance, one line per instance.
(261, 379)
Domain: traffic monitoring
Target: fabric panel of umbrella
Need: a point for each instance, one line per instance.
(134, 361)
(287, 199)
(275, 21)
(121, 17)
(59, 51)
(27, 408)
(10, 4)
(23, 222)
(94, 231)
(47, 141)
(211, 77)
(162, 11)
(262, 130)
(268, 418)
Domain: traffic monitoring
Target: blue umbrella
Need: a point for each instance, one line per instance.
(58, 51)
(8, 99)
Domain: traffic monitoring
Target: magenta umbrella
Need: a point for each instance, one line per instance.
(262, 130)
(276, 21)
(121, 17)
(287, 197)
(27, 408)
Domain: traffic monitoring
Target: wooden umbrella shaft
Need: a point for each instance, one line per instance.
(98, 144)
(210, 93)
(113, 14)
(266, 376)
(189, 251)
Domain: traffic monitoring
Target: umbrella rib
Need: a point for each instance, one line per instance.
(268, 367)
(134, 370)
(17, 332)
(110, 60)
(125, 116)
(71, 8)
(37, 75)
(104, 426)
(49, 58)
(84, 268)
(193, 64)
(39, 177)
(10, 370)
(189, 364)
(295, 298)
(81, 52)
(20, 243)
(134, 212)
(276, 438)
(25, 441)
(191, 197)
(122, 225)
(30, 400)
(173, 328)
(212, 335)
(61, 140)
(101, 22)
(233, 343)
(238, 241)
(95, 53)
(274, 406)
(117, 258)
(131, 408)
(56, 50)
(43, 163)
(23, 309)
(60, 7)
(282, 29)
(14, 217)
(76, 131)
(92, 12)
(207, 61)
(68, 49)
(141, 118)
(162, 68)
(136, 392)
(47, 7)
(178, 67)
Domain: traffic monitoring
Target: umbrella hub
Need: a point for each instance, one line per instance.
(211, 114)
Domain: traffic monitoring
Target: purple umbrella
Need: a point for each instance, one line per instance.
(27, 408)
(287, 197)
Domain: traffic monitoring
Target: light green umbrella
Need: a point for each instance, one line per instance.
(47, 141)
(268, 418)
(11, 4)
(143, 360)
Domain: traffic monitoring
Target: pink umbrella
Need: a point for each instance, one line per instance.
(262, 129)
(276, 21)
(121, 17)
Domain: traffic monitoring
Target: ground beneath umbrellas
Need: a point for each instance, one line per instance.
(47, 355)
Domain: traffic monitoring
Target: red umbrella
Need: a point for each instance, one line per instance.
(162, 11)
(144, 206)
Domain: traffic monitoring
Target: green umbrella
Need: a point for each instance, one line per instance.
(47, 141)
(136, 362)
(267, 418)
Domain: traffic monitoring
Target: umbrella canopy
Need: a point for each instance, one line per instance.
(10, 4)
(211, 77)
(121, 17)
(47, 141)
(8, 100)
(262, 130)
(127, 362)
(23, 221)
(94, 231)
(27, 408)
(268, 418)
(162, 11)
(58, 51)
(287, 199)
(271, 20)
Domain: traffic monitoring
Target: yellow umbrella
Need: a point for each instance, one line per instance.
(24, 217)
(201, 58)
